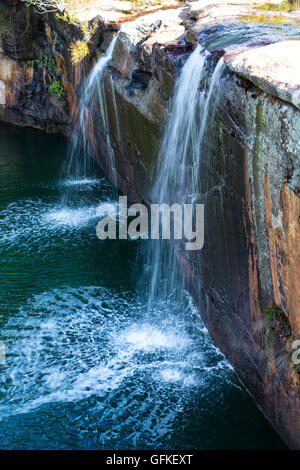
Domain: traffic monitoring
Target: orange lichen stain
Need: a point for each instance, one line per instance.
(289, 263)
(284, 246)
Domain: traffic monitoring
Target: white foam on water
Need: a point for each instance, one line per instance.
(181, 376)
(148, 337)
(21, 219)
(171, 375)
(67, 344)
(80, 181)
(71, 217)
(83, 182)
(30, 220)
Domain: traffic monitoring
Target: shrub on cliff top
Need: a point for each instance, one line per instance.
(285, 5)
(67, 17)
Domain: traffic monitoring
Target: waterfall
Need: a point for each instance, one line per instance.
(177, 175)
(92, 110)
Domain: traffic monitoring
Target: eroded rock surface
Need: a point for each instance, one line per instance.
(273, 68)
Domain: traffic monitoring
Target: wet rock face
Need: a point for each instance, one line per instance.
(136, 110)
(250, 186)
(31, 89)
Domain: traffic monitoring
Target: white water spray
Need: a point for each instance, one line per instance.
(92, 109)
(177, 174)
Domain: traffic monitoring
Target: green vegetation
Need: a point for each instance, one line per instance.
(297, 368)
(79, 50)
(277, 320)
(67, 17)
(265, 19)
(50, 63)
(30, 63)
(57, 89)
(273, 311)
(260, 118)
(285, 5)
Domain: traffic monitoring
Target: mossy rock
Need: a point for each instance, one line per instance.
(277, 320)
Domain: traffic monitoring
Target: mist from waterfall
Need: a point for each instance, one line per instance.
(178, 171)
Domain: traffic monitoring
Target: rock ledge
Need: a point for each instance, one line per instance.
(275, 69)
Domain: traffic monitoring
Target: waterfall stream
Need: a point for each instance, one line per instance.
(178, 171)
(87, 367)
(92, 108)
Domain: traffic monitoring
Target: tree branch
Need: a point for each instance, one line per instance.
(46, 6)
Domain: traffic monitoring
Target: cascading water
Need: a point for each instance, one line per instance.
(92, 109)
(78, 169)
(177, 174)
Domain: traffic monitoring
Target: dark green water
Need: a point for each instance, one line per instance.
(86, 368)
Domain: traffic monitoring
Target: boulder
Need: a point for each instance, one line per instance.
(272, 68)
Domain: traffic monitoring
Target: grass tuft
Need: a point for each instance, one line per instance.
(278, 321)
(285, 5)
(79, 50)
(57, 89)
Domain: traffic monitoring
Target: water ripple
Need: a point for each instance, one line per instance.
(71, 344)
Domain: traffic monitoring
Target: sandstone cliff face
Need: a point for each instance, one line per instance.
(27, 70)
(43, 61)
(251, 192)
(246, 280)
